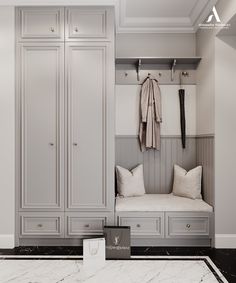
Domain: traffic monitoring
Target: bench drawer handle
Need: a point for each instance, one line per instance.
(188, 225)
(138, 225)
(86, 225)
(40, 225)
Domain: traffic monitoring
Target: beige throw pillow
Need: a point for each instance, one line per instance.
(187, 184)
(130, 183)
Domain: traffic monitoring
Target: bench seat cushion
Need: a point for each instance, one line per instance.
(161, 202)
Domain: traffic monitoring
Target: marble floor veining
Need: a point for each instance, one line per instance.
(224, 259)
(144, 269)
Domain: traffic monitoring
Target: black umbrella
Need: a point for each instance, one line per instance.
(182, 111)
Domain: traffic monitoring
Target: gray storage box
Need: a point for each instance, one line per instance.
(117, 242)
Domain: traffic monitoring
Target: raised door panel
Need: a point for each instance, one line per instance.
(41, 92)
(89, 23)
(87, 96)
(40, 23)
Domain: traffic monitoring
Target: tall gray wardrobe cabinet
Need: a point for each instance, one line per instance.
(65, 123)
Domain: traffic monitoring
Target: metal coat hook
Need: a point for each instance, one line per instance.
(182, 74)
(185, 74)
(173, 69)
(159, 74)
(138, 69)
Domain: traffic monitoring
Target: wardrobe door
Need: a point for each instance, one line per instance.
(40, 23)
(87, 114)
(41, 91)
(85, 23)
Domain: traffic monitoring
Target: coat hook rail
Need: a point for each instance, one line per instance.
(163, 68)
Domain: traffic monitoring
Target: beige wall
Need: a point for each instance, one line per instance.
(225, 134)
(225, 138)
(205, 48)
(216, 76)
(176, 45)
(127, 96)
(216, 104)
(127, 110)
(7, 127)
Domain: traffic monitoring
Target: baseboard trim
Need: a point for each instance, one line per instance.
(225, 241)
(7, 241)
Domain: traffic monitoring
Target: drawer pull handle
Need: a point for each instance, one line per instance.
(40, 225)
(188, 225)
(75, 144)
(52, 29)
(76, 29)
(86, 225)
(51, 144)
(138, 225)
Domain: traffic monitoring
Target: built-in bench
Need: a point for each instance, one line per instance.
(166, 220)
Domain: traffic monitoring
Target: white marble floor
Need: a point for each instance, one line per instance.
(48, 269)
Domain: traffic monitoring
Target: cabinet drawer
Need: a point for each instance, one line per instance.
(43, 226)
(41, 22)
(85, 226)
(178, 226)
(143, 225)
(86, 23)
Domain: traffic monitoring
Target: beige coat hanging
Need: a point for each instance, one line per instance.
(150, 118)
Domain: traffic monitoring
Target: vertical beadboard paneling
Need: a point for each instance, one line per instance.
(158, 165)
(205, 157)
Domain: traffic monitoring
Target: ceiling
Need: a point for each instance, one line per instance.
(229, 31)
(162, 16)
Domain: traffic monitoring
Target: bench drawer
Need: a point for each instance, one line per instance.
(187, 226)
(41, 226)
(85, 225)
(143, 226)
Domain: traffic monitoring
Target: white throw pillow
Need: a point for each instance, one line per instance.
(187, 184)
(130, 183)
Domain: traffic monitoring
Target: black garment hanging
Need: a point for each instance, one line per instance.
(182, 114)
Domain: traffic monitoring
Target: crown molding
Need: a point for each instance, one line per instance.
(186, 24)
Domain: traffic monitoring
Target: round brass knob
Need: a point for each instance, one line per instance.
(188, 225)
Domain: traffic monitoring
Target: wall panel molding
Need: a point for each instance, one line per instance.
(205, 157)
